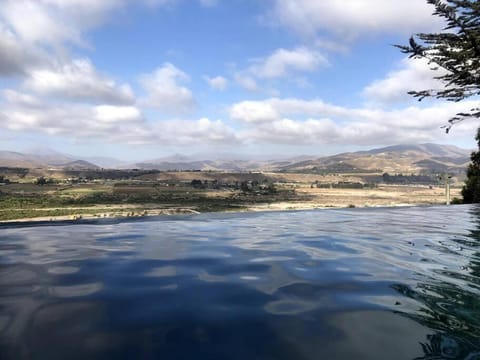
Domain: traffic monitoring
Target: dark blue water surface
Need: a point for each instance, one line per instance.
(396, 283)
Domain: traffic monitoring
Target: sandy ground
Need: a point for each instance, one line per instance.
(381, 196)
(106, 214)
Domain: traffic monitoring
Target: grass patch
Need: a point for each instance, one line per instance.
(19, 201)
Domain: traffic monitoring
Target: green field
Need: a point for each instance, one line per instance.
(29, 200)
(111, 193)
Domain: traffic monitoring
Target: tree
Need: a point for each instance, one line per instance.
(471, 189)
(197, 184)
(40, 181)
(453, 53)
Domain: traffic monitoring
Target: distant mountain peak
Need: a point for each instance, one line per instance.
(427, 148)
(400, 158)
(79, 165)
(42, 151)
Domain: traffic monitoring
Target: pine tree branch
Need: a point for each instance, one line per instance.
(456, 50)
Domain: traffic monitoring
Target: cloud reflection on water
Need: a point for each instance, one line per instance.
(287, 285)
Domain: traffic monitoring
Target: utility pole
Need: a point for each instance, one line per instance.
(446, 178)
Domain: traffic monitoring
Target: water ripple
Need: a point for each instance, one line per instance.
(399, 283)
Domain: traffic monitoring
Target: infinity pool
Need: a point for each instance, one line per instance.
(383, 283)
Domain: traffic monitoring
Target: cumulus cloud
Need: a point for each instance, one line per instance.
(254, 111)
(353, 17)
(16, 98)
(296, 121)
(327, 132)
(217, 83)
(282, 62)
(26, 112)
(188, 132)
(74, 120)
(272, 109)
(55, 22)
(38, 31)
(410, 76)
(15, 59)
(72, 98)
(179, 133)
(117, 114)
(111, 123)
(78, 80)
(165, 91)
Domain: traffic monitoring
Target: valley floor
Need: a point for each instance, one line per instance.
(89, 201)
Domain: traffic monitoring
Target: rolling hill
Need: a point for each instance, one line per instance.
(422, 158)
(416, 158)
(51, 160)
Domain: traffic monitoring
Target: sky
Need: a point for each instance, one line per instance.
(142, 79)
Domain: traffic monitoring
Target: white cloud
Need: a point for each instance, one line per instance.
(117, 114)
(288, 131)
(328, 132)
(15, 58)
(20, 99)
(55, 22)
(350, 18)
(101, 107)
(78, 80)
(274, 108)
(36, 32)
(412, 75)
(165, 92)
(272, 121)
(282, 62)
(40, 31)
(76, 121)
(247, 82)
(27, 112)
(188, 132)
(217, 82)
(254, 112)
(296, 121)
(124, 124)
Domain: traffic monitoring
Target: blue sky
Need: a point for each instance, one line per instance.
(148, 78)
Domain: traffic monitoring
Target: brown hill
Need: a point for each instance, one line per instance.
(423, 158)
(56, 161)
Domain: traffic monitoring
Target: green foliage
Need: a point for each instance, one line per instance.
(43, 181)
(197, 184)
(40, 181)
(271, 189)
(455, 52)
(471, 190)
(456, 201)
(245, 187)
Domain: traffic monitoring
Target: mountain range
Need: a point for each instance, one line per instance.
(412, 158)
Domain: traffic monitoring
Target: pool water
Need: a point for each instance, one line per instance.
(379, 283)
